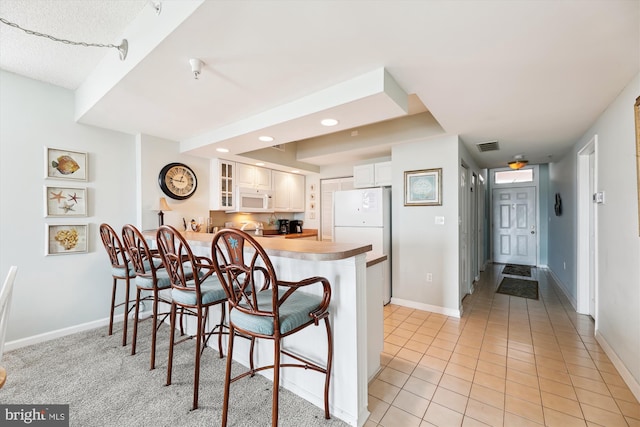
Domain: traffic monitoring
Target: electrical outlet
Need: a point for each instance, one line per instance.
(429, 277)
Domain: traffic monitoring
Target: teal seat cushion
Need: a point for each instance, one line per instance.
(211, 290)
(122, 272)
(147, 282)
(293, 313)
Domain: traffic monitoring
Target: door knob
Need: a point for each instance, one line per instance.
(533, 232)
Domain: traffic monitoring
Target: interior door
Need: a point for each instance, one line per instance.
(514, 226)
(464, 285)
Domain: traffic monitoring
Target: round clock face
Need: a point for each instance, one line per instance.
(177, 181)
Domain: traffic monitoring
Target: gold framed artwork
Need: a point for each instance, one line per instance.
(637, 120)
(66, 239)
(423, 187)
(65, 201)
(65, 164)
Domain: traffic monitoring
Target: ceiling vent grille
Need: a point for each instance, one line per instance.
(487, 146)
(278, 147)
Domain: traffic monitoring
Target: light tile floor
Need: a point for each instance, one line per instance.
(508, 361)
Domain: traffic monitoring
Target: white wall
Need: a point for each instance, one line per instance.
(562, 259)
(56, 292)
(152, 155)
(618, 308)
(419, 246)
(618, 259)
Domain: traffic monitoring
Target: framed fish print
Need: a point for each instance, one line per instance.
(65, 201)
(423, 187)
(66, 239)
(65, 164)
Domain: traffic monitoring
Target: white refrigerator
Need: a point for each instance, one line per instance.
(364, 216)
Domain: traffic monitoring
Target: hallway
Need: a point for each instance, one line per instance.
(508, 361)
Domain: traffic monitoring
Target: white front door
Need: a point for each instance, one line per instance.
(514, 226)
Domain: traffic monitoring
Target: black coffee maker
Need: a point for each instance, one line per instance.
(283, 226)
(295, 226)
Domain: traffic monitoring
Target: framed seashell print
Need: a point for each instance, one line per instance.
(65, 164)
(66, 239)
(423, 187)
(65, 201)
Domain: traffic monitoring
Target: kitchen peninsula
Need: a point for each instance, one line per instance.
(345, 266)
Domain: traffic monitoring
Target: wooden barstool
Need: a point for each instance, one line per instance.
(150, 277)
(120, 270)
(194, 289)
(263, 307)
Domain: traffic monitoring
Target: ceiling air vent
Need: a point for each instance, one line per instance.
(487, 146)
(278, 147)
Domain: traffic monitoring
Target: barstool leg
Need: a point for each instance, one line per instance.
(276, 381)
(135, 322)
(126, 310)
(329, 363)
(113, 304)
(154, 333)
(227, 378)
(171, 341)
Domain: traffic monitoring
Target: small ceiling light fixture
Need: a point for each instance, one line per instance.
(259, 164)
(265, 138)
(329, 122)
(519, 162)
(222, 150)
(156, 5)
(123, 47)
(196, 67)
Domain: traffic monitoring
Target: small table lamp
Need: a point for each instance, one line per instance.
(163, 207)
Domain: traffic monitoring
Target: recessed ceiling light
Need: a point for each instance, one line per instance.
(265, 138)
(222, 150)
(295, 171)
(259, 164)
(328, 122)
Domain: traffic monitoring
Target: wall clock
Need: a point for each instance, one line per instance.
(178, 181)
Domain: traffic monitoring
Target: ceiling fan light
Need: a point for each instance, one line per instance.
(518, 164)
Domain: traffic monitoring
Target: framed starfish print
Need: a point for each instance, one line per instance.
(65, 201)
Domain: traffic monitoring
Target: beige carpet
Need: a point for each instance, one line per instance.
(106, 386)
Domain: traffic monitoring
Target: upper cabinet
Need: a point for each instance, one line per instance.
(288, 192)
(372, 175)
(223, 173)
(253, 177)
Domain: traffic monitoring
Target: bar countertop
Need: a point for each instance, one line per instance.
(311, 250)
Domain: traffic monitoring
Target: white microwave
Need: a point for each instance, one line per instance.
(253, 200)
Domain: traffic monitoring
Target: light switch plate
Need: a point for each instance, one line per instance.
(599, 197)
(440, 220)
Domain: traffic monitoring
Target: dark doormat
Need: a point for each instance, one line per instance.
(517, 270)
(519, 288)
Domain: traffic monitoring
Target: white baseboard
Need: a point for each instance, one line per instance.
(563, 289)
(631, 382)
(426, 307)
(47, 336)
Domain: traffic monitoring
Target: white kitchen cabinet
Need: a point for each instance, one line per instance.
(222, 184)
(363, 176)
(251, 176)
(382, 174)
(288, 192)
(372, 175)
